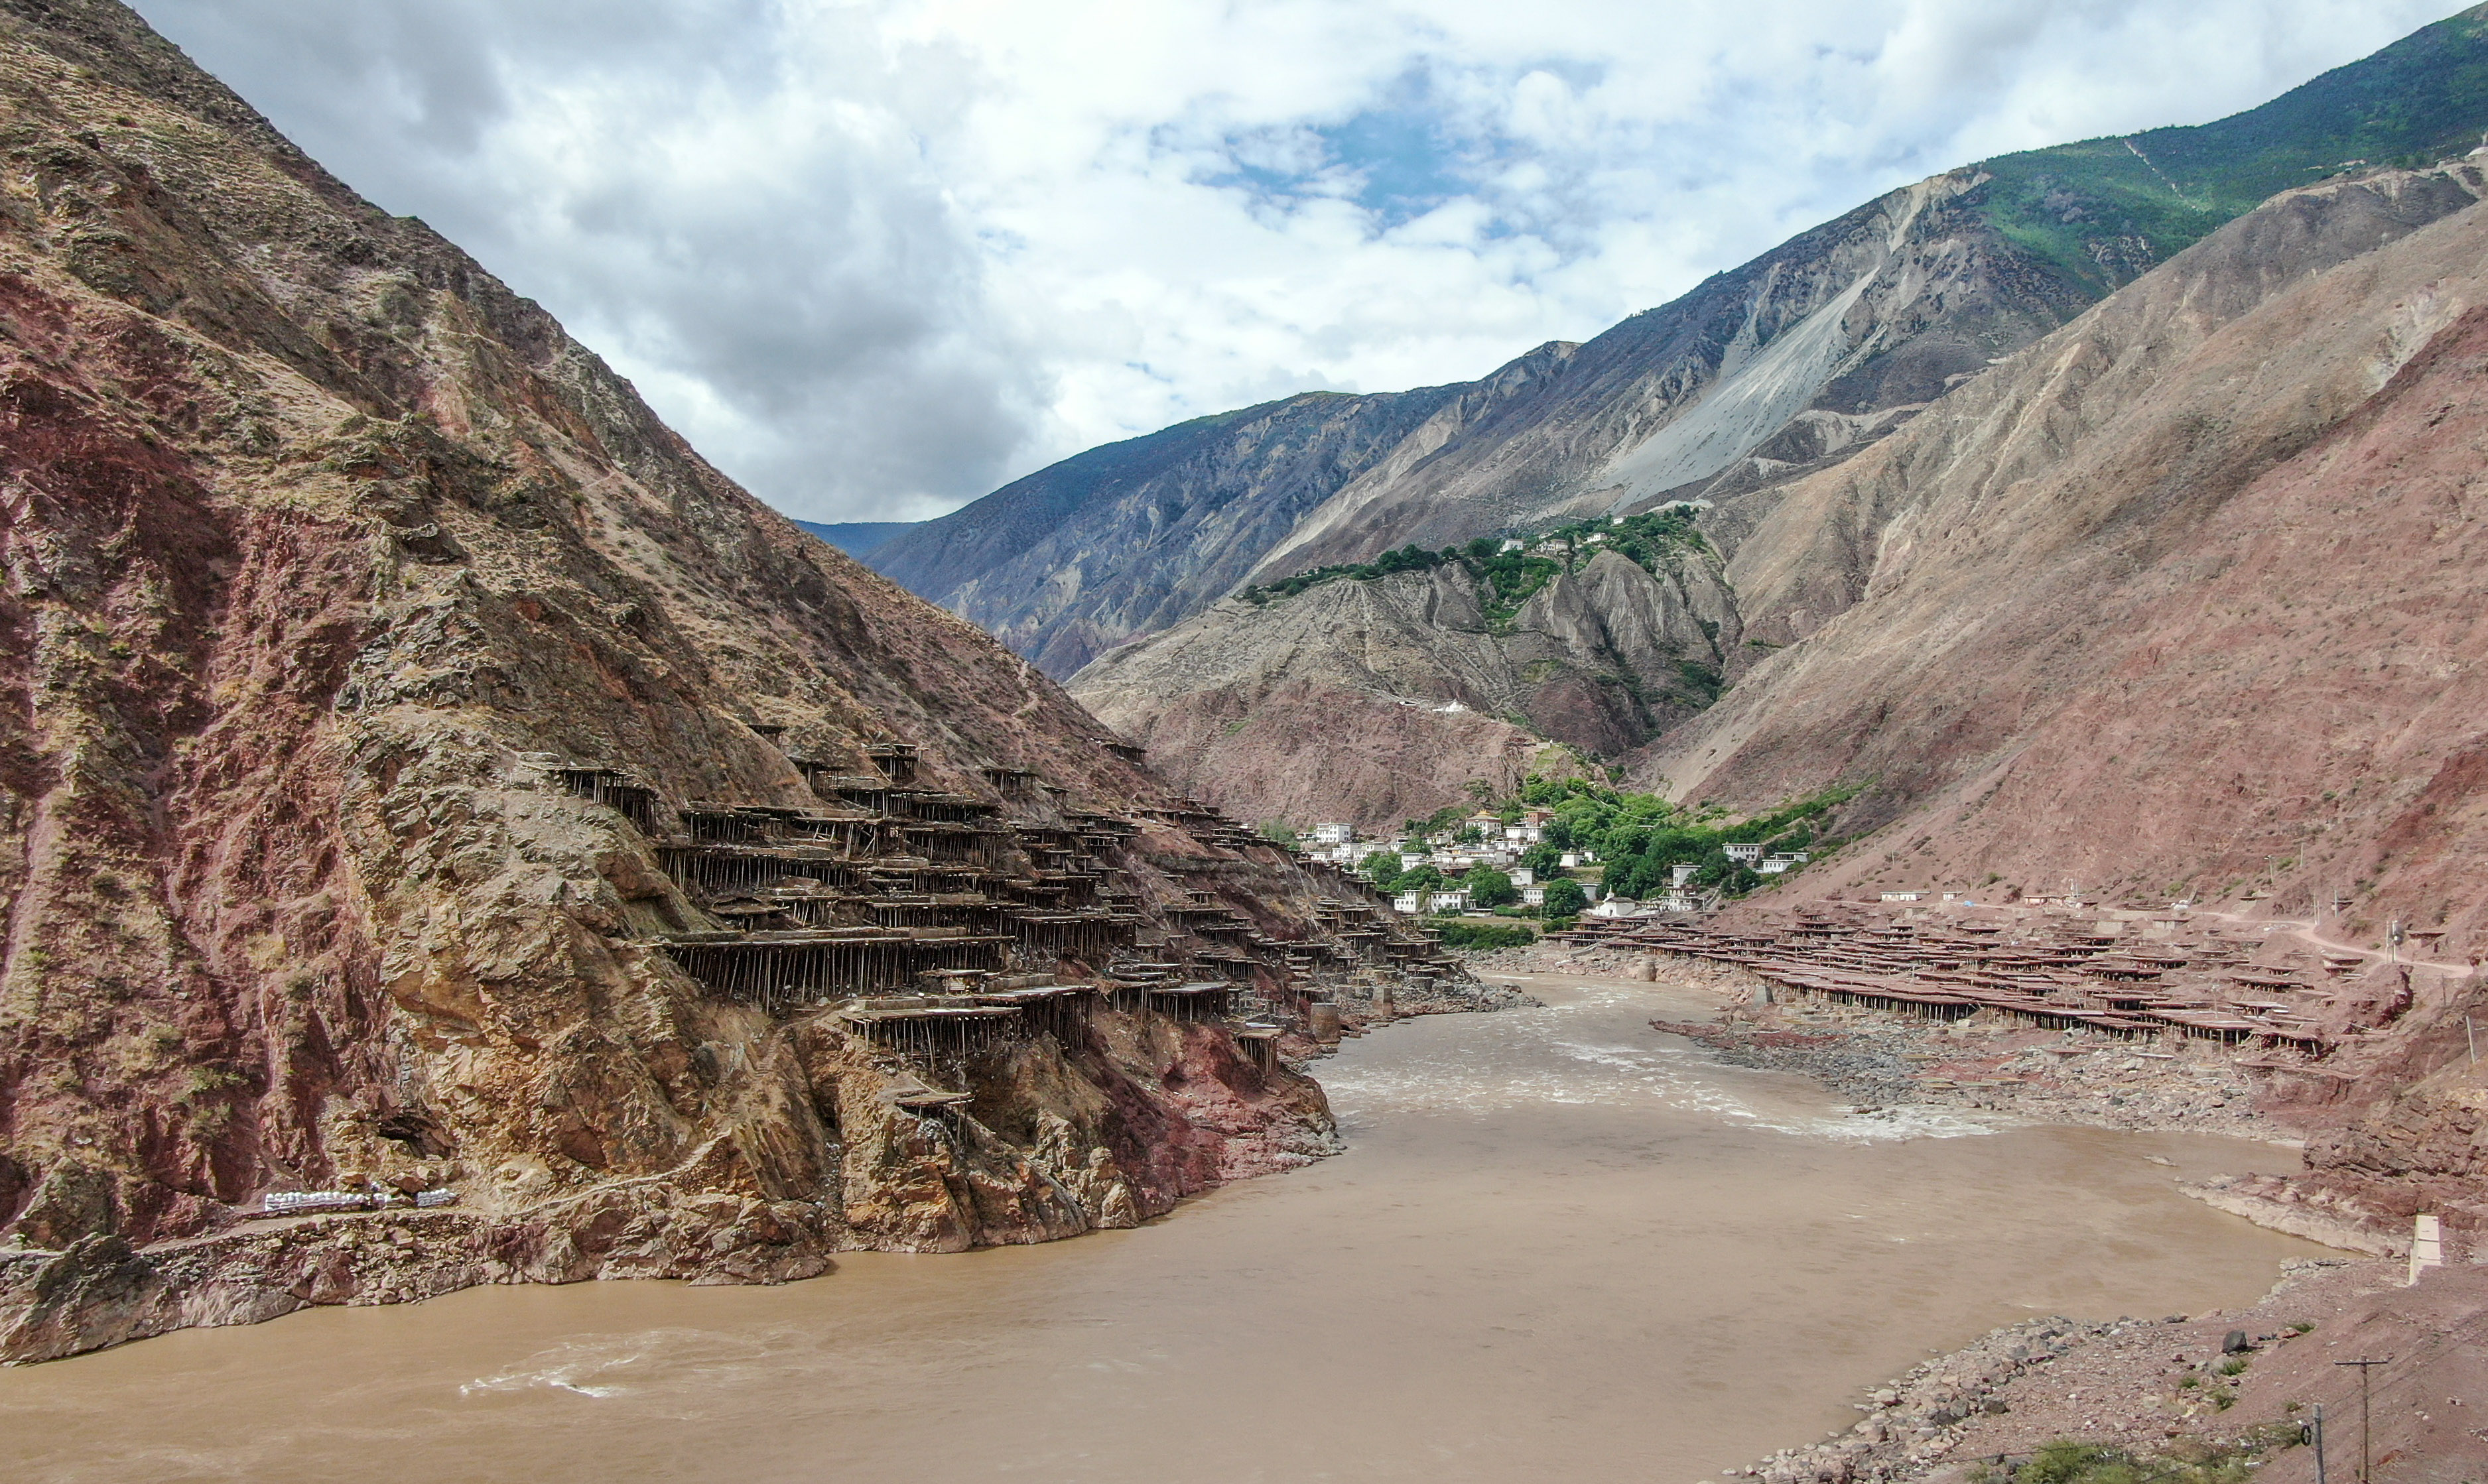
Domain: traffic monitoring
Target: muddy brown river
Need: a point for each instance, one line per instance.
(1561, 1246)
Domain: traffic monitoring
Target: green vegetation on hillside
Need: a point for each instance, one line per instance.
(1480, 935)
(2232, 1461)
(1489, 888)
(1647, 538)
(1507, 580)
(1639, 837)
(2102, 210)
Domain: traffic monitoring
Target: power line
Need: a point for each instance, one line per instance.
(2365, 1367)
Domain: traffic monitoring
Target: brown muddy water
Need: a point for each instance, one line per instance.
(1561, 1246)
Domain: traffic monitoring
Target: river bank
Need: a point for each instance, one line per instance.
(1882, 1060)
(1558, 1245)
(2227, 1386)
(2238, 1386)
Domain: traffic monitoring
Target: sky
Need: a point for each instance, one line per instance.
(876, 258)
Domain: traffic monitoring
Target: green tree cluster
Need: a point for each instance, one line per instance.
(1639, 838)
(1485, 934)
(1564, 898)
(1488, 887)
(1507, 580)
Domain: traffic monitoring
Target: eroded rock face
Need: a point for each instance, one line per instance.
(324, 554)
(2143, 609)
(1380, 701)
(1126, 539)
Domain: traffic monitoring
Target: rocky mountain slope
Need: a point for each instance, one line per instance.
(2181, 603)
(856, 537)
(2175, 602)
(1129, 538)
(1378, 701)
(422, 775)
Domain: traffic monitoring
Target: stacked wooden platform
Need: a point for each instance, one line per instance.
(2040, 973)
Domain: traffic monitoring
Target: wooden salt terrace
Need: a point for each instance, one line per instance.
(869, 793)
(1086, 933)
(895, 760)
(1259, 1042)
(783, 970)
(621, 791)
(1195, 1001)
(1010, 782)
(893, 884)
(1058, 1009)
(714, 870)
(2056, 984)
(934, 1028)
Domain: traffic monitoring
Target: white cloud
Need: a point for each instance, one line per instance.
(874, 258)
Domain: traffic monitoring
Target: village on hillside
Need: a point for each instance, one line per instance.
(1522, 860)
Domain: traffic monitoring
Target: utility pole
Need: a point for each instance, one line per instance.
(2365, 1367)
(2319, 1445)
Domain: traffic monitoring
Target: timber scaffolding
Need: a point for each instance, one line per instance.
(847, 903)
(1010, 782)
(894, 898)
(895, 760)
(1144, 985)
(2063, 978)
(1208, 825)
(1362, 929)
(974, 1013)
(622, 792)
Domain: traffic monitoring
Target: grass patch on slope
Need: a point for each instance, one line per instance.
(2100, 211)
(1507, 580)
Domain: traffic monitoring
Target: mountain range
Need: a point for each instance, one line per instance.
(1150, 575)
(855, 538)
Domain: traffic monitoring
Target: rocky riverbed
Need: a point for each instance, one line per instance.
(1882, 1060)
(2237, 1388)
(2036, 1074)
